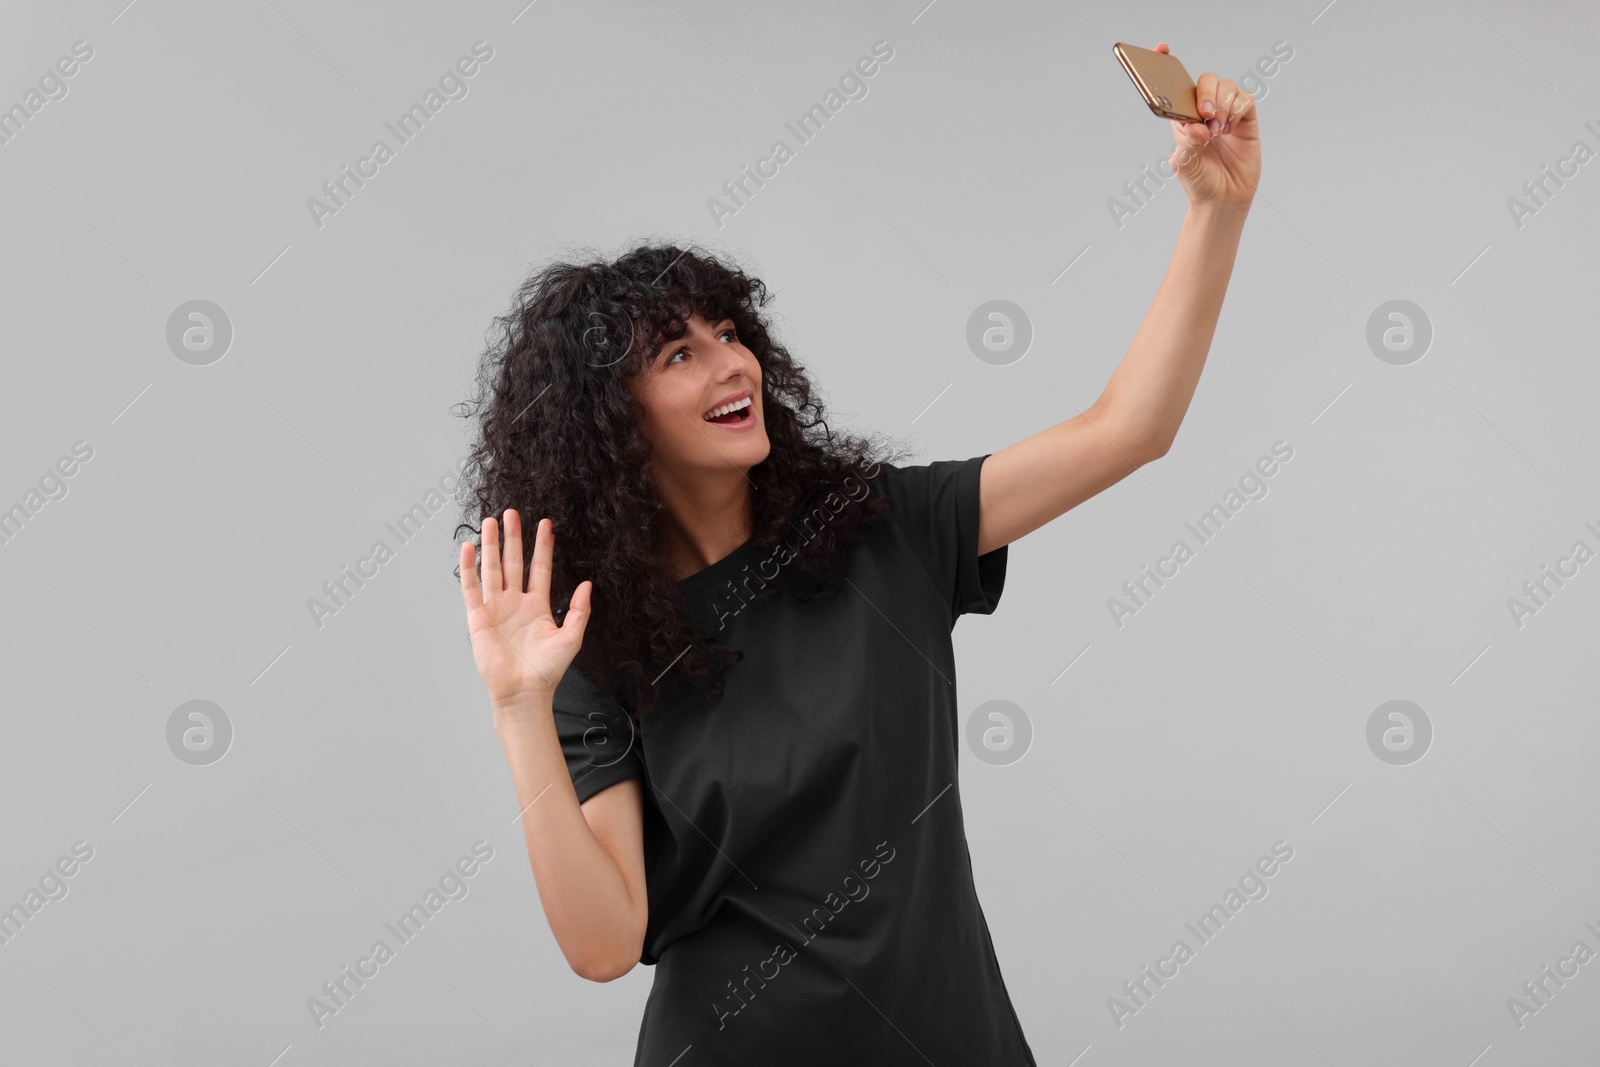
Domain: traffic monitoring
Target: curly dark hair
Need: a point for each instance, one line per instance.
(560, 438)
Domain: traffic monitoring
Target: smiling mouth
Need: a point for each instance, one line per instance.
(745, 409)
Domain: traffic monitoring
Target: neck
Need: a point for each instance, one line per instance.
(696, 530)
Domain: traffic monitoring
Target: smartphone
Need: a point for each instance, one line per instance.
(1161, 80)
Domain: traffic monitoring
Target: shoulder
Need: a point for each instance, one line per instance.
(938, 483)
(935, 508)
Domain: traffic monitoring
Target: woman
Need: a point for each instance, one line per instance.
(736, 750)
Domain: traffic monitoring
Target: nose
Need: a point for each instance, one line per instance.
(733, 362)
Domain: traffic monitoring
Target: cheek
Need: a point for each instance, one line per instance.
(669, 421)
(658, 423)
(658, 409)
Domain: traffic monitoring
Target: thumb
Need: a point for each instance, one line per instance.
(577, 617)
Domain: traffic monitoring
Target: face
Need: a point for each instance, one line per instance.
(706, 369)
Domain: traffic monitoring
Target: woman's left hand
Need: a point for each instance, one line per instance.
(1219, 160)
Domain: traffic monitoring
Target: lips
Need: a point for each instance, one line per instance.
(730, 398)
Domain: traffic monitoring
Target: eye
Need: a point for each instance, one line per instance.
(685, 351)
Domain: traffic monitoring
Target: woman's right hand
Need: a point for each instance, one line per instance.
(519, 649)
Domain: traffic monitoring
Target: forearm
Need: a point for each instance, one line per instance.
(585, 898)
(1148, 394)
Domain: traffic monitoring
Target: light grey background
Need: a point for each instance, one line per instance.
(1167, 754)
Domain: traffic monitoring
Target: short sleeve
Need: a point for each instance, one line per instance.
(936, 507)
(599, 741)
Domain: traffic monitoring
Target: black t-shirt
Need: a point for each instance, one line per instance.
(810, 889)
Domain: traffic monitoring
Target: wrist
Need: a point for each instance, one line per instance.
(513, 711)
(1227, 211)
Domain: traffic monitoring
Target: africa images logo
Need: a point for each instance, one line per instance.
(808, 528)
(452, 885)
(855, 890)
(1252, 886)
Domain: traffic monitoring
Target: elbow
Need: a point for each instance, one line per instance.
(602, 971)
(1137, 438)
(1146, 445)
(1153, 447)
(1150, 442)
(606, 966)
(606, 954)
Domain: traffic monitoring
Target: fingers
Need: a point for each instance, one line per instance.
(1162, 48)
(1205, 99)
(470, 590)
(1243, 111)
(1229, 104)
(539, 578)
(493, 581)
(513, 560)
(1190, 134)
(1222, 103)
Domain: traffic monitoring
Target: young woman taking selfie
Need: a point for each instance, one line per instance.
(716, 639)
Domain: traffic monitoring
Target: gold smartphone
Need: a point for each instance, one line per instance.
(1161, 80)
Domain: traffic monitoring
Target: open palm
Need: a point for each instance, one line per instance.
(518, 647)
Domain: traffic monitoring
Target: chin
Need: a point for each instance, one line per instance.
(751, 452)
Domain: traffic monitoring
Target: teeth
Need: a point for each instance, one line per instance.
(735, 406)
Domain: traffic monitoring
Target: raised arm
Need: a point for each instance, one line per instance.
(587, 859)
(1137, 415)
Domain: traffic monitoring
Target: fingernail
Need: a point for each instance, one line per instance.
(1213, 125)
(1207, 107)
